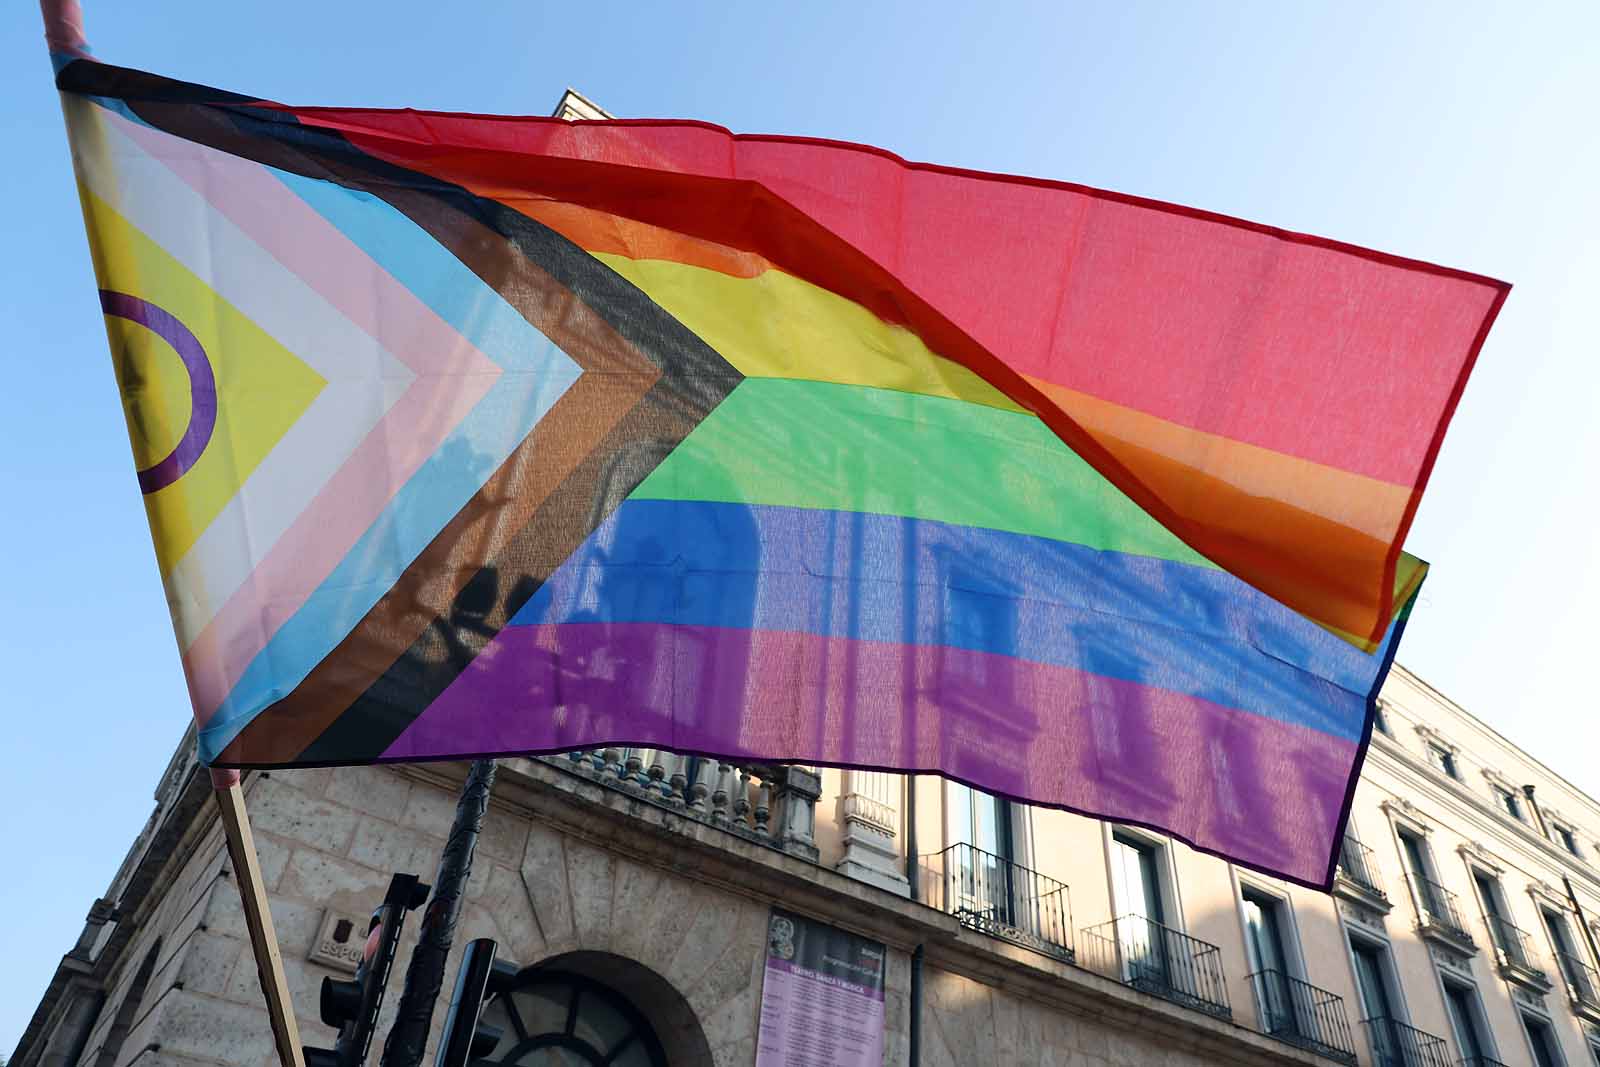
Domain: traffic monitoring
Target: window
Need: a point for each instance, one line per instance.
(1443, 760)
(1266, 940)
(1509, 802)
(1507, 938)
(1380, 721)
(1466, 1021)
(1136, 878)
(1572, 966)
(1266, 932)
(128, 1010)
(1543, 1042)
(1138, 895)
(1566, 838)
(559, 1018)
(1429, 892)
(979, 820)
(1372, 978)
(979, 872)
(1416, 854)
(1380, 1001)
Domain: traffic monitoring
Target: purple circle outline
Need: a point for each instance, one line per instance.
(202, 385)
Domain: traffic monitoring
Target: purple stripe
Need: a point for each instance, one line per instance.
(1265, 792)
(202, 385)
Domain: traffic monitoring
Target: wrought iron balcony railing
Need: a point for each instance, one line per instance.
(1356, 865)
(1437, 910)
(1159, 960)
(1395, 1044)
(1003, 899)
(1583, 985)
(1300, 1014)
(774, 804)
(1510, 942)
(1513, 953)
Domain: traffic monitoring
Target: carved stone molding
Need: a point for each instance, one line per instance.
(1543, 892)
(1403, 812)
(1432, 736)
(1452, 961)
(1363, 916)
(1476, 854)
(1529, 999)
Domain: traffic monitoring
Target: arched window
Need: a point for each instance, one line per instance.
(128, 1010)
(555, 1018)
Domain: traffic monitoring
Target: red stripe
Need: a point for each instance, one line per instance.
(1310, 347)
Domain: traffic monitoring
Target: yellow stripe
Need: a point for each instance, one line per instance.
(775, 325)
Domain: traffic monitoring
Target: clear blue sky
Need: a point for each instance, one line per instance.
(1457, 132)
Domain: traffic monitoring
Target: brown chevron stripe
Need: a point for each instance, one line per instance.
(425, 593)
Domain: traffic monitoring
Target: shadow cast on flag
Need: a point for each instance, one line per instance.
(469, 436)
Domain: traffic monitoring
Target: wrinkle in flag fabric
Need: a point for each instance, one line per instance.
(465, 436)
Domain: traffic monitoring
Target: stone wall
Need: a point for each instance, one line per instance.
(573, 873)
(331, 839)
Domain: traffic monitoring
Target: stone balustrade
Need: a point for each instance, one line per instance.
(774, 804)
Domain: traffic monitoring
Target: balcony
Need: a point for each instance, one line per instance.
(1357, 879)
(1583, 986)
(1302, 1015)
(1158, 960)
(1481, 1061)
(1006, 900)
(773, 804)
(1394, 1044)
(1513, 957)
(1439, 916)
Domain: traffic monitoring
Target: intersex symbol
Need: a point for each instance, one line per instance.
(202, 385)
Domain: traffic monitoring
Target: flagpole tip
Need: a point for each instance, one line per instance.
(63, 28)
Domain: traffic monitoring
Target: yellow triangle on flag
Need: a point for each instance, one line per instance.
(261, 387)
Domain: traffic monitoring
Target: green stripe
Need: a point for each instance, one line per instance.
(853, 448)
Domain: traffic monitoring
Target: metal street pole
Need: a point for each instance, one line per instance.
(408, 1038)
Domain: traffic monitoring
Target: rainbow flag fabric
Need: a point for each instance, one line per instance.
(463, 436)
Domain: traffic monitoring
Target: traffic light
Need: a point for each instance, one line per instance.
(466, 1037)
(352, 1005)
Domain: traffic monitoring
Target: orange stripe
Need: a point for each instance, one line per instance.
(602, 232)
(1241, 502)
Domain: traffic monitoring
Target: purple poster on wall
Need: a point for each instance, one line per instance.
(821, 997)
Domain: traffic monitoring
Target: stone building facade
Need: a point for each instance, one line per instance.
(1460, 930)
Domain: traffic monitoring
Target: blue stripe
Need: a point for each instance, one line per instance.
(435, 275)
(1192, 630)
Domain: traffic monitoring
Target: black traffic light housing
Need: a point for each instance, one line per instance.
(466, 1038)
(352, 1005)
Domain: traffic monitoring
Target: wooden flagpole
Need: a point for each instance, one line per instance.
(258, 917)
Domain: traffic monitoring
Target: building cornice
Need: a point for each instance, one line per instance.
(180, 818)
(1422, 779)
(1409, 677)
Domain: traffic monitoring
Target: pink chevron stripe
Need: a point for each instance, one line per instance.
(452, 376)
